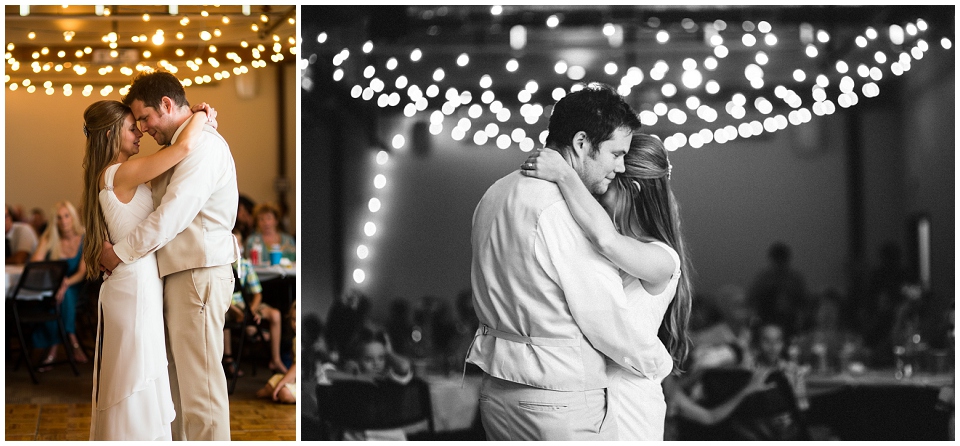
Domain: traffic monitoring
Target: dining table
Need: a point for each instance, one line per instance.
(278, 271)
(454, 400)
(819, 384)
(11, 276)
(881, 404)
(279, 283)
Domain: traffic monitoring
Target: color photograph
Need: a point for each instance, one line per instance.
(150, 180)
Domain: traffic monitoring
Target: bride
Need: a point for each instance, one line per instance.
(131, 388)
(641, 237)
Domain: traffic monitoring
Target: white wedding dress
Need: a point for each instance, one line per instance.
(640, 405)
(131, 387)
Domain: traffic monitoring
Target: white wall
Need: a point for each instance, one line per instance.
(43, 140)
(736, 199)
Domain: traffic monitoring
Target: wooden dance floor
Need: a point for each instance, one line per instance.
(59, 407)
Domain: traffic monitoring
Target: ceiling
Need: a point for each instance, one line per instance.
(444, 33)
(71, 28)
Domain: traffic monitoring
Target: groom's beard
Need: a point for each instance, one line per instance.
(161, 138)
(161, 135)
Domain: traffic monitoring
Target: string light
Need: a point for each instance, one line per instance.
(83, 62)
(746, 126)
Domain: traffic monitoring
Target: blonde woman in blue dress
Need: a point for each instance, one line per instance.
(636, 225)
(131, 386)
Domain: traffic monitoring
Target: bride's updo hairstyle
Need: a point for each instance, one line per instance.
(102, 127)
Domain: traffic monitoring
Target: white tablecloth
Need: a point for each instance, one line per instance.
(819, 384)
(11, 278)
(270, 272)
(454, 407)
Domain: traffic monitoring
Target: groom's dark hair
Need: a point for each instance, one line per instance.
(596, 109)
(151, 86)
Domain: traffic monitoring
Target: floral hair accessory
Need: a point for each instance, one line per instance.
(669, 170)
(85, 131)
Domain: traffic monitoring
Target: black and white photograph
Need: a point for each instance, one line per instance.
(626, 222)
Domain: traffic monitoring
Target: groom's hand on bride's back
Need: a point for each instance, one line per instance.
(108, 258)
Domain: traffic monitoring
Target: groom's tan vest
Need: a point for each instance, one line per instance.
(208, 240)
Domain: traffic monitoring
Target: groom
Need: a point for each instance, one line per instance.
(190, 230)
(550, 306)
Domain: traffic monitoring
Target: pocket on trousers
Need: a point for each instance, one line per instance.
(535, 406)
(604, 403)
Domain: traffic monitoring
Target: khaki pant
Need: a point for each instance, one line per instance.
(194, 304)
(511, 411)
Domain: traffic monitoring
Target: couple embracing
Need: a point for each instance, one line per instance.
(160, 227)
(578, 272)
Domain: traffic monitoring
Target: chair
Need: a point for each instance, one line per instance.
(33, 302)
(240, 329)
(771, 414)
(363, 405)
(88, 308)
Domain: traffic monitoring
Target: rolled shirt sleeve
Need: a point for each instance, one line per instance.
(594, 292)
(192, 183)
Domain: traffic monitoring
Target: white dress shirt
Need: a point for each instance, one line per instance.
(22, 238)
(551, 308)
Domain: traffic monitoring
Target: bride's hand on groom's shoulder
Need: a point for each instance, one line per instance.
(546, 164)
(210, 111)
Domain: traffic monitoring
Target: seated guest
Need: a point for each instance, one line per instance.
(282, 387)
(268, 234)
(345, 318)
(21, 240)
(38, 220)
(16, 211)
(770, 346)
(371, 357)
(465, 329)
(315, 363)
(829, 343)
(63, 241)
(771, 353)
(681, 405)
(316, 356)
(245, 221)
(721, 319)
(261, 312)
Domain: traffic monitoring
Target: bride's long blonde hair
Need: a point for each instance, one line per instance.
(647, 209)
(102, 125)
